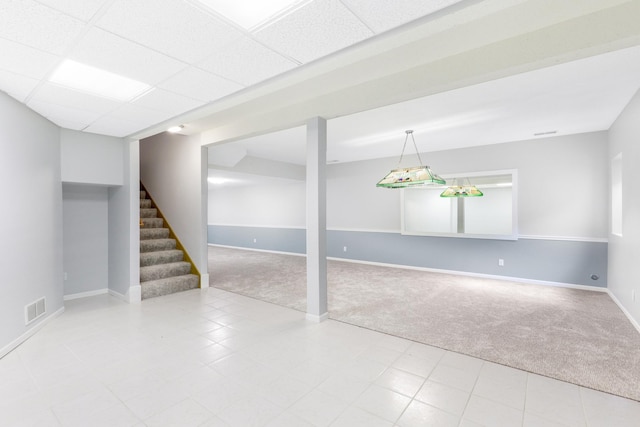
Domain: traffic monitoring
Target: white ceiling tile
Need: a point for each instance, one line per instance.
(382, 15)
(247, 62)
(16, 85)
(114, 127)
(109, 52)
(315, 30)
(81, 9)
(69, 124)
(172, 27)
(166, 101)
(250, 13)
(56, 112)
(137, 113)
(25, 60)
(36, 25)
(198, 84)
(53, 94)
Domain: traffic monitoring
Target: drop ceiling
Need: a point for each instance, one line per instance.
(190, 52)
(458, 72)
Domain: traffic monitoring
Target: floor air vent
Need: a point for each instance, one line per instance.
(34, 310)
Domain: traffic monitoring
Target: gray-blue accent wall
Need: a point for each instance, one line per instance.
(559, 261)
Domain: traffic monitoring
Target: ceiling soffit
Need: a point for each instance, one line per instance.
(418, 61)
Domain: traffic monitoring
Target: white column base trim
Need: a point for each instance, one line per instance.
(118, 295)
(204, 281)
(317, 319)
(624, 310)
(31, 332)
(133, 295)
(86, 294)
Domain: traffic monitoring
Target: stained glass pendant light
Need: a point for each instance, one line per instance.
(462, 191)
(414, 176)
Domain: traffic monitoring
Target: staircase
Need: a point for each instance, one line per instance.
(163, 270)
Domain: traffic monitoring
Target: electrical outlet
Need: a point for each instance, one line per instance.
(65, 276)
(633, 295)
(255, 240)
(500, 262)
(344, 249)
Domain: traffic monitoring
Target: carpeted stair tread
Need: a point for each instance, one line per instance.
(162, 271)
(148, 213)
(154, 233)
(160, 257)
(156, 288)
(152, 222)
(157, 245)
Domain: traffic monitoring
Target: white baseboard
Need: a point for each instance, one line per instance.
(204, 281)
(118, 295)
(624, 310)
(22, 338)
(480, 275)
(317, 319)
(133, 295)
(86, 294)
(438, 270)
(256, 250)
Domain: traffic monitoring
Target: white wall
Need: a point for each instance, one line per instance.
(124, 229)
(355, 203)
(91, 159)
(105, 161)
(30, 218)
(566, 226)
(85, 238)
(171, 171)
(547, 170)
(624, 251)
(264, 202)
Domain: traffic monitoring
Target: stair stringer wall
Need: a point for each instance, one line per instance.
(172, 234)
(173, 169)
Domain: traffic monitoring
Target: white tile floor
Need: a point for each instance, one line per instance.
(213, 358)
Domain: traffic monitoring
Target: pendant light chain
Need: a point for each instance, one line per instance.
(409, 132)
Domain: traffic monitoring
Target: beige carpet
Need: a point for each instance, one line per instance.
(577, 336)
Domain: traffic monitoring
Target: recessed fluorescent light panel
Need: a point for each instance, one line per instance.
(92, 80)
(250, 14)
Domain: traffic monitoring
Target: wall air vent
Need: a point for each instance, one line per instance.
(34, 311)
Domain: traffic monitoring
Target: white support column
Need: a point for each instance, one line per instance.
(317, 220)
(134, 294)
(204, 206)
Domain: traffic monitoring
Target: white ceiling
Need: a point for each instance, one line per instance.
(585, 95)
(224, 80)
(191, 55)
